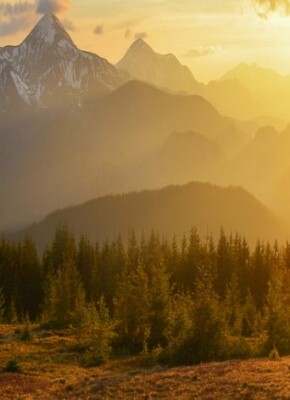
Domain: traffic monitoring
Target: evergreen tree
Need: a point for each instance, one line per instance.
(232, 306)
(132, 310)
(278, 311)
(62, 250)
(87, 268)
(208, 340)
(64, 294)
(2, 306)
(159, 297)
(180, 322)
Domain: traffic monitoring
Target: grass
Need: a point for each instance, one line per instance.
(53, 370)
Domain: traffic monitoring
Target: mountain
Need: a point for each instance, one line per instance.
(232, 140)
(186, 156)
(230, 96)
(76, 132)
(141, 117)
(270, 89)
(263, 167)
(54, 159)
(164, 71)
(170, 211)
(48, 70)
(234, 99)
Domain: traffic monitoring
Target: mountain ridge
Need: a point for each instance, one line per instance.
(173, 210)
(163, 70)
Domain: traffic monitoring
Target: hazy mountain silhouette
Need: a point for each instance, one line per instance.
(183, 158)
(76, 131)
(270, 89)
(232, 140)
(142, 116)
(230, 96)
(173, 210)
(165, 71)
(93, 151)
(263, 168)
(234, 99)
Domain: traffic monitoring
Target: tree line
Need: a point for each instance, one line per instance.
(187, 302)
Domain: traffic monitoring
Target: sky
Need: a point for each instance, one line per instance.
(210, 36)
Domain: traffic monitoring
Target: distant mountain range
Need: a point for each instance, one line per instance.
(164, 71)
(172, 211)
(270, 89)
(229, 96)
(53, 159)
(74, 127)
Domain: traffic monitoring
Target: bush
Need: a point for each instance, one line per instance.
(13, 366)
(26, 332)
(238, 347)
(96, 333)
(274, 355)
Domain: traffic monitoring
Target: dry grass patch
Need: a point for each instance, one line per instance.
(53, 370)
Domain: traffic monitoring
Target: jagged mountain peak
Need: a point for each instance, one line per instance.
(49, 29)
(48, 70)
(162, 70)
(140, 45)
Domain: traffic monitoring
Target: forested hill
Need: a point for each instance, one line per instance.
(169, 211)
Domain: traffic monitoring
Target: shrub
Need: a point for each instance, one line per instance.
(274, 355)
(13, 366)
(26, 332)
(96, 334)
(238, 347)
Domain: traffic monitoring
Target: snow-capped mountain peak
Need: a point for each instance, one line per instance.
(49, 30)
(47, 69)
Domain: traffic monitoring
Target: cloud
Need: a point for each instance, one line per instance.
(99, 29)
(141, 35)
(51, 6)
(127, 33)
(16, 17)
(16, 9)
(69, 25)
(202, 51)
(265, 7)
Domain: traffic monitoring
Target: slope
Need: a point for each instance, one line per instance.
(172, 210)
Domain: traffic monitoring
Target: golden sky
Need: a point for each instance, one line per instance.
(210, 36)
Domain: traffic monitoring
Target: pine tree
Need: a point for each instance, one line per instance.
(159, 297)
(100, 333)
(2, 306)
(208, 339)
(132, 310)
(251, 318)
(180, 322)
(87, 268)
(278, 314)
(232, 306)
(64, 293)
(62, 250)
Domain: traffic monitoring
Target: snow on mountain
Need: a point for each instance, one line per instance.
(48, 69)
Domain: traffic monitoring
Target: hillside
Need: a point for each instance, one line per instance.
(88, 150)
(170, 211)
(269, 88)
(229, 96)
(184, 157)
(57, 373)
